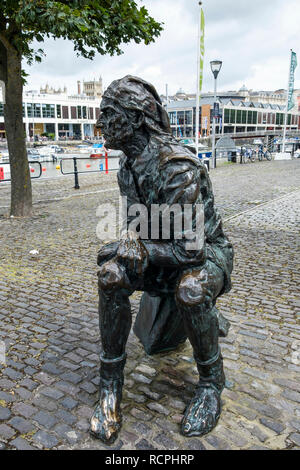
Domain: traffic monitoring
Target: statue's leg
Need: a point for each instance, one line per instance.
(115, 323)
(195, 296)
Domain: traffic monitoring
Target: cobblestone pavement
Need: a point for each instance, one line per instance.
(48, 320)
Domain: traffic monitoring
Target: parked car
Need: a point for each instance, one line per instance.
(33, 154)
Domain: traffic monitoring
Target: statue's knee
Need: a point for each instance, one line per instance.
(112, 276)
(191, 292)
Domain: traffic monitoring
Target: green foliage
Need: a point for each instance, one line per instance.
(93, 25)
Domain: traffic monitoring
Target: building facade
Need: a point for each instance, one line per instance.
(58, 114)
(234, 116)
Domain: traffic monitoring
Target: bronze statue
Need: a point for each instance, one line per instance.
(180, 285)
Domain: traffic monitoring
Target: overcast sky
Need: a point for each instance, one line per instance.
(253, 38)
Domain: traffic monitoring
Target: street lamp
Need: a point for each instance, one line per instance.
(215, 66)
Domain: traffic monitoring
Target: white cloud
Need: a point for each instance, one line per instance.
(251, 37)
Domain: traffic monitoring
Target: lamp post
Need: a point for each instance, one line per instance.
(215, 66)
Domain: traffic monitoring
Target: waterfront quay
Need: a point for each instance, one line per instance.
(49, 322)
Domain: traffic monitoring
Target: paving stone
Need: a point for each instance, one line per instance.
(69, 403)
(140, 378)
(44, 378)
(143, 444)
(217, 443)
(195, 444)
(45, 419)
(51, 393)
(149, 393)
(62, 313)
(4, 413)
(45, 439)
(6, 432)
(140, 415)
(71, 377)
(144, 369)
(22, 425)
(28, 383)
(291, 395)
(7, 397)
(21, 444)
(274, 425)
(163, 440)
(23, 393)
(158, 408)
(24, 409)
(295, 438)
(65, 416)
(45, 403)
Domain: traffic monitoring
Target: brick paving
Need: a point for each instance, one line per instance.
(48, 320)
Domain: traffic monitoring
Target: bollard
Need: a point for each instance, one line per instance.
(206, 162)
(106, 163)
(76, 173)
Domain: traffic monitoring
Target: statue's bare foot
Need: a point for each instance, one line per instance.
(107, 419)
(203, 412)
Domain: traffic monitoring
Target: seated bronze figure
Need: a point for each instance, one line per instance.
(180, 285)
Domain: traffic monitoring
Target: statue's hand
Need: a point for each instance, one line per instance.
(107, 252)
(133, 255)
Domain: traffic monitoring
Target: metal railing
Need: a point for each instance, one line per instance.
(76, 172)
(32, 170)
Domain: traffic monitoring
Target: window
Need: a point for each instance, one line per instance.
(48, 110)
(2, 109)
(172, 117)
(58, 111)
(37, 110)
(226, 115)
(188, 117)
(180, 118)
(91, 113)
(65, 112)
(79, 112)
(239, 116)
(232, 116)
(279, 119)
(73, 112)
(250, 117)
(29, 110)
(244, 117)
(84, 112)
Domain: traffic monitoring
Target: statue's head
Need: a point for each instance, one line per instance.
(127, 105)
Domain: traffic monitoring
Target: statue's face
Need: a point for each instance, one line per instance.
(114, 124)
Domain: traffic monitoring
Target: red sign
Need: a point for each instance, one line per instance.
(1, 173)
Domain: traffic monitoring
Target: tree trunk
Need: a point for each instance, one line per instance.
(21, 195)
